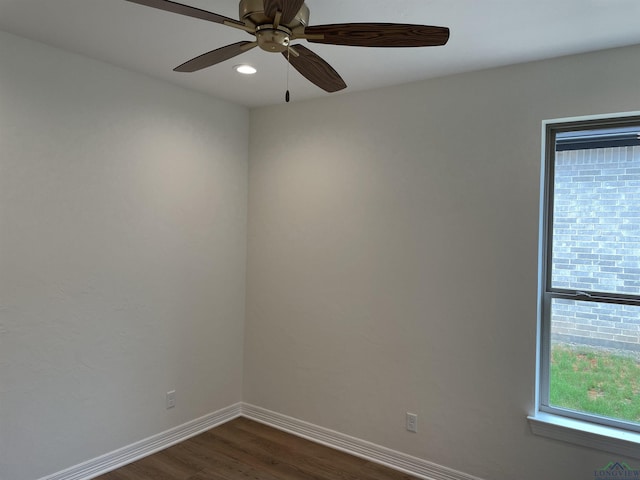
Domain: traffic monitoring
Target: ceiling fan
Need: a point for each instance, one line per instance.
(276, 23)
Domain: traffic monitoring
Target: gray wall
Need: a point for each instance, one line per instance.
(393, 261)
(122, 257)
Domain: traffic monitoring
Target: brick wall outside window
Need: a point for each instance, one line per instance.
(596, 245)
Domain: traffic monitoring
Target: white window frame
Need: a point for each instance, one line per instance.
(562, 424)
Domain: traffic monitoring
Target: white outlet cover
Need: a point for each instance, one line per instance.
(171, 399)
(412, 422)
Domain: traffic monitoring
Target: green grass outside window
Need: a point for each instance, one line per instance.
(596, 382)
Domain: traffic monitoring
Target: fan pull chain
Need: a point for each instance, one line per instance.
(287, 96)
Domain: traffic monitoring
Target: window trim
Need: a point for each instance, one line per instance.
(563, 424)
(586, 434)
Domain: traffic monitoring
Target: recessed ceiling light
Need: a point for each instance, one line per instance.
(245, 69)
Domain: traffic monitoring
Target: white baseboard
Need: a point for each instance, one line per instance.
(360, 448)
(354, 446)
(146, 447)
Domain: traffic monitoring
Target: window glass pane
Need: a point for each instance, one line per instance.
(595, 358)
(596, 213)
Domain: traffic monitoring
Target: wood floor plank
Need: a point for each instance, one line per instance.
(249, 453)
(120, 474)
(347, 463)
(309, 461)
(375, 471)
(221, 460)
(246, 450)
(299, 444)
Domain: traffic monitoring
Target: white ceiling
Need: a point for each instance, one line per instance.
(484, 33)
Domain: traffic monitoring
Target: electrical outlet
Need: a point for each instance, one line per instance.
(171, 399)
(412, 422)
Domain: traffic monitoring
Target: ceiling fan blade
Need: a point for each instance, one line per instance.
(315, 69)
(215, 56)
(181, 9)
(378, 35)
(289, 9)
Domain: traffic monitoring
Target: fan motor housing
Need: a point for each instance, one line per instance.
(272, 39)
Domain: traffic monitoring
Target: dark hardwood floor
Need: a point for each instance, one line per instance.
(247, 450)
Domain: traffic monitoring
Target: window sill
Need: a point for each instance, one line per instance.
(608, 439)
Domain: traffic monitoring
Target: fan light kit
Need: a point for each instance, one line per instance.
(275, 24)
(245, 69)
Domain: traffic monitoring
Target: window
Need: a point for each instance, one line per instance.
(590, 272)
